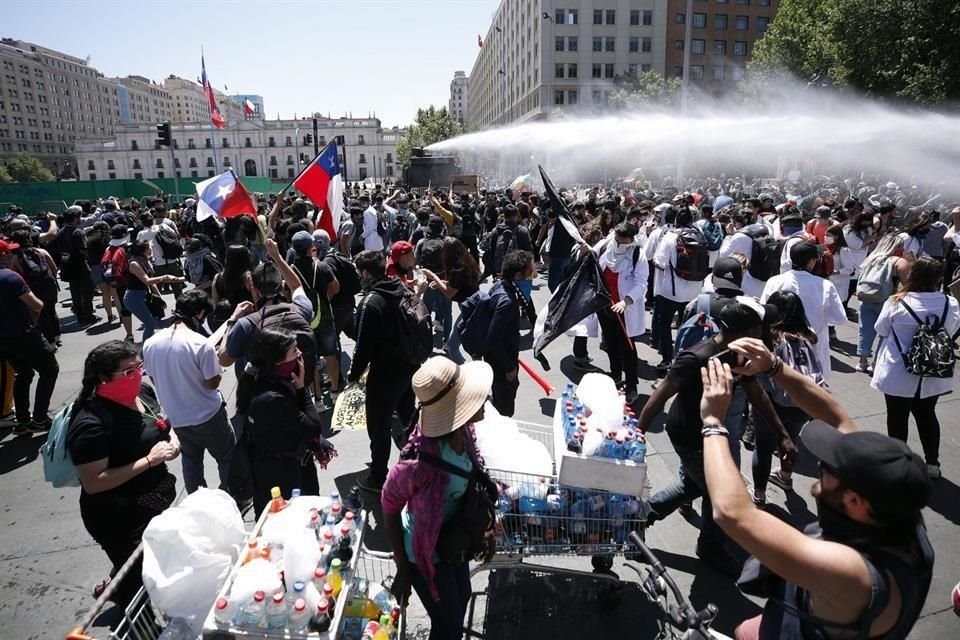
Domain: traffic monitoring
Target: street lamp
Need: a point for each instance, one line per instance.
(296, 136)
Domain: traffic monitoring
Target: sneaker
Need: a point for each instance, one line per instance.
(41, 425)
(933, 470)
(583, 363)
(686, 508)
(23, 427)
(716, 557)
(784, 483)
(631, 395)
(352, 501)
(129, 338)
(760, 499)
(370, 483)
(664, 365)
(864, 367)
(749, 437)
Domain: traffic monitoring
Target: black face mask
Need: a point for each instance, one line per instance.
(511, 223)
(838, 527)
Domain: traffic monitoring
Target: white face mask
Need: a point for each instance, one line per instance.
(622, 257)
(829, 241)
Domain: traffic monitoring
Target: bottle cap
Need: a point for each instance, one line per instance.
(295, 493)
(299, 605)
(299, 586)
(278, 597)
(345, 530)
(265, 553)
(324, 604)
(384, 620)
(371, 628)
(328, 536)
(275, 492)
(259, 596)
(349, 515)
(320, 573)
(222, 603)
(252, 543)
(327, 588)
(335, 564)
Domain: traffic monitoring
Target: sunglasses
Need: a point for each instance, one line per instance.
(130, 372)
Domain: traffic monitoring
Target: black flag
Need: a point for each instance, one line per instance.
(565, 223)
(581, 295)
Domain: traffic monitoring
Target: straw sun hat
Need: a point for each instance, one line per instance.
(450, 395)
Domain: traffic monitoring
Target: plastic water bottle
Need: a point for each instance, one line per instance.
(277, 611)
(299, 618)
(178, 629)
(380, 594)
(597, 502)
(335, 512)
(254, 610)
(639, 451)
(346, 534)
(294, 493)
(223, 611)
(296, 593)
(530, 505)
(320, 621)
(616, 449)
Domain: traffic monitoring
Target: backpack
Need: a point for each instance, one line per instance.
(693, 258)
(212, 265)
(401, 228)
(169, 242)
(765, 256)
(504, 243)
(415, 328)
(713, 234)
(321, 306)
(381, 227)
(800, 356)
(347, 276)
(931, 353)
(115, 266)
(58, 467)
(875, 283)
(35, 269)
(430, 255)
(472, 325)
(699, 327)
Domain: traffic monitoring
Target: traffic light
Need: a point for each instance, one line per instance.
(163, 134)
(308, 139)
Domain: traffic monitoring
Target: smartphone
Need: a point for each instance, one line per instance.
(730, 358)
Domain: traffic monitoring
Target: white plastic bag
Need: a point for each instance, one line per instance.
(188, 551)
(256, 575)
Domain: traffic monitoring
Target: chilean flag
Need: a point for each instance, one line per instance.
(215, 116)
(321, 182)
(224, 196)
(248, 109)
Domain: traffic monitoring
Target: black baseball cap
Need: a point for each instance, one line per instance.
(891, 477)
(802, 252)
(728, 274)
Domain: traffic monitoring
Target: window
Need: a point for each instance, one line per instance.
(743, 1)
(739, 48)
(681, 18)
(193, 174)
(720, 21)
(696, 71)
(210, 173)
(289, 159)
(597, 43)
(247, 143)
(634, 44)
(288, 142)
(290, 173)
(608, 70)
(273, 161)
(558, 43)
(160, 174)
(611, 16)
(139, 176)
(93, 176)
(698, 47)
(718, 72)
(572, 71)
(560, 17)
(677, 71)
(136, 164)
(389, 157)
(763, 3)
(558, 70)
(210, 163)
(572, 16)
(360, 140)
(598, 16)
(634, 18)
(112, 175)
(645, 67)
(110, 165)
(762, 23)
(597, 96)
(738, 73)
(558, 97)
(743, 23)
(646, 45)
(271, 142)
(133, 145)
(274, 173)
(193, 162)
(206, 143)
(720, 47)
(363, 158)
(159, 163)
(596, 71)
(647, 18)
(389, 171)
(572, 43)
(610, 45)
(90, 166)
(190, 144)
(678, 44)
(699, 20)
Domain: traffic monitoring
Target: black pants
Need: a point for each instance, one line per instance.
(48, 321)
(663, 334)
(580, 347)
(170, 269)
(286, 472)
(81, 295)
(27, 354)
(387, 391)
(620, 350)
(504, 391)
(925, 413)
(453, 587)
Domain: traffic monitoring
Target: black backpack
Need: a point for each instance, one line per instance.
(401, 228)
(35, 269)
(346, 274)
(381, 227)
(430, 255)
(415, 328)
(931, 354)
(169, 242)
(473, 324)
(693, 257)
(765, 256)
(504, 243)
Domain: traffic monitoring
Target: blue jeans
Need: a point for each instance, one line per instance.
(135, 300)
(558, 266)
(691, 484)
(442, 307)
(869, 312)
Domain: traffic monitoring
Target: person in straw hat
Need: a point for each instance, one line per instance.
(451, 400)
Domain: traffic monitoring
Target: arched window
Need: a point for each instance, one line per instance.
(249, 168)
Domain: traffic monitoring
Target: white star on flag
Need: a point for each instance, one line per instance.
(224, 191)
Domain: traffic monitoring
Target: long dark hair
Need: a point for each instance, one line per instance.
(793, 318)
(237, 264)
(926, 274)
(270, 347)
(99, 365)
(457, 260)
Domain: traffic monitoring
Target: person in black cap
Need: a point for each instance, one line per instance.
(864, 568)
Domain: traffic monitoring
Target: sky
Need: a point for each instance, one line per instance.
(361, 56)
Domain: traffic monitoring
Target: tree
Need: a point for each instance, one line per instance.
(25, 168)
(906, 50)
(432, 125)
(4, 175)
(647, 89)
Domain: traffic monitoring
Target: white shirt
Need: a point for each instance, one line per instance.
(670, 285)
(650, 248)
(149, 234)
(889, 373)
(911, 244)
(180, 361)
(740, 242)
(821, 304)
(371, 239)
(786, 264)
(856, 251)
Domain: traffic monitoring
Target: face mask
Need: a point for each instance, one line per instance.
(285, 370)
(122, 391)
(837, 527)
(366, 282)
(829, 241)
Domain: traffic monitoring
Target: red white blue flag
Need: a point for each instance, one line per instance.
(215, 116)
(224, 196)
(322, 183)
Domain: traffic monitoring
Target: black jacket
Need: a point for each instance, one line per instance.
(378, 329)
(281, 419)
(503, 336)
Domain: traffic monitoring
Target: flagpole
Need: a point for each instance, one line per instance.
(213, 133)
(305, 167)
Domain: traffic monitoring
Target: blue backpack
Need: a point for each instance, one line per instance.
(473, 323)
(713, 233)
(698, 328)
(58, 468)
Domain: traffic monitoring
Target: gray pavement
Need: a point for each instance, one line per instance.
(51, 564)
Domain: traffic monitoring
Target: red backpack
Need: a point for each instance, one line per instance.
(115, 267)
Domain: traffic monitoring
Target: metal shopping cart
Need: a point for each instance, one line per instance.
(573, 522)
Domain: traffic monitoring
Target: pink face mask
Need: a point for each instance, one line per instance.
(285, 370)
(123, 390)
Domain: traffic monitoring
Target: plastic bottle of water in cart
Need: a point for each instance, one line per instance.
(254, 610)
(277, 611)
(299, 618)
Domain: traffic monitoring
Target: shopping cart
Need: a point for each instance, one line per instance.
(577, 522)
(377, 566)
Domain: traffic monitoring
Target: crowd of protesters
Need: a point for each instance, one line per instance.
(726, 275)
